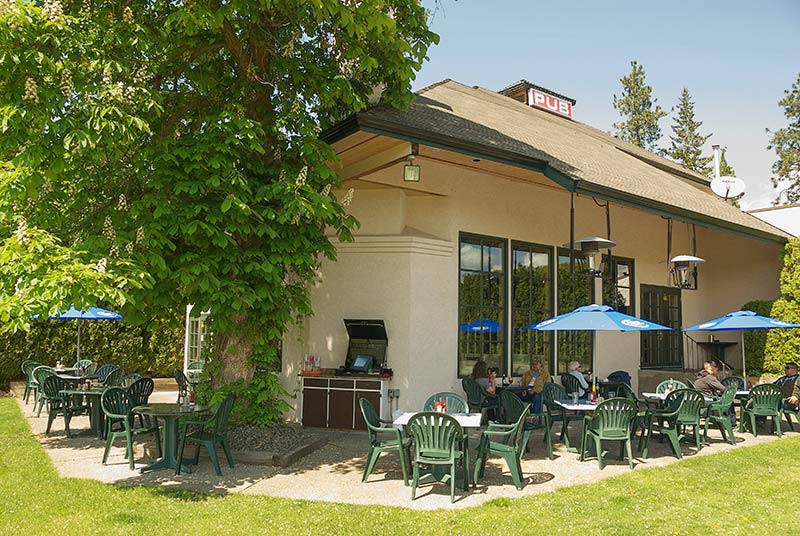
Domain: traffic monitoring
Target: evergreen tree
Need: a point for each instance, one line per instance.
(786, 143)
(687, 143)
(639, 110)
(725, 169)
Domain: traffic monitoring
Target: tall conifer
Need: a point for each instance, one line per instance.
(686, 143)
(639, 110)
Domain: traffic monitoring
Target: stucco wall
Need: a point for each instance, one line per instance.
(403, 268)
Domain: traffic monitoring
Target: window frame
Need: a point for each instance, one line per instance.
(504, 309)
(532, 247)
(646, 336)
(570, 338)
(612, 279)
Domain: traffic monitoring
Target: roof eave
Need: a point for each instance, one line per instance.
(378, 126)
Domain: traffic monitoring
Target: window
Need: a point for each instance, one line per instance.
(618, 289)
(531, 302)
(662, 349)
(574, 290)
(482, 302)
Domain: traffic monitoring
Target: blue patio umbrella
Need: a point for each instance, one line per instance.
(595, 318)
(93, 313)
(741, 321)
(482, 325)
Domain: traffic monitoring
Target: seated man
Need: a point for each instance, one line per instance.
(789, 386)
(575, 369)
(534, 379)
(706, 380)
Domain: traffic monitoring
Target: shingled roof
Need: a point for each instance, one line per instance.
(579, 157)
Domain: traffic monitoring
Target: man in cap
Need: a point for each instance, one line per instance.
(790, 386)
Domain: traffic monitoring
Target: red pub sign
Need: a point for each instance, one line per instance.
(549, 102)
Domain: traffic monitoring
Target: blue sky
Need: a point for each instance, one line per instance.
(736, 57)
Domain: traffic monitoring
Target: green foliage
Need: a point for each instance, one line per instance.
(784, 344)
(630, 503)
(686, 143)
(755, 342)
(725, 169)
(179, 141)
(153, 347)
(639, 110)
(786, 142)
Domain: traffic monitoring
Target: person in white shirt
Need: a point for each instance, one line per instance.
(575, 370)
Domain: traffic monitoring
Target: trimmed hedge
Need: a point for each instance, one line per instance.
(755, 342)
(153, 348)
(784, 344)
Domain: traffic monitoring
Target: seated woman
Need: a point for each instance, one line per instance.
(535, 379)
(485, 377)
(575, 370)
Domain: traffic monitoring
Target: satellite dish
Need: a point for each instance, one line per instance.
(727, 187)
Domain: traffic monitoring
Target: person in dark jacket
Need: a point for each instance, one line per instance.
(706, 380)
(790, 386)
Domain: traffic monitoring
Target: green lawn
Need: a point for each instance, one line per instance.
(737, 492)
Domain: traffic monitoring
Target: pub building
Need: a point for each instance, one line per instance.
(468, 203)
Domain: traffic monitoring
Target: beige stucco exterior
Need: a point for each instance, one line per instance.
(403, 265)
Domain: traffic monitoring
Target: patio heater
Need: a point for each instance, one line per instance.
(587, 250)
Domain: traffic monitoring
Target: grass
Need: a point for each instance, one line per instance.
(736, 492)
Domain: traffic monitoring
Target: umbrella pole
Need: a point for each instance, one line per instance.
(744, 366)
(79, 340)
(594, 352)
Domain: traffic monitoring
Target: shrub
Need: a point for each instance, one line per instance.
(755, 341)
(154, 347)
(784, 344)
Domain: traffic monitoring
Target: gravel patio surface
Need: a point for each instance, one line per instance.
(333, 472)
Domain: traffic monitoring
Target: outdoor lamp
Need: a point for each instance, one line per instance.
(410, 170)
(588, 248)
(684, 271)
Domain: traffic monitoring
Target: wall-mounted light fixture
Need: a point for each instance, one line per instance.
(684, 271)
(586, 250)
(411, 170)
(683, 268)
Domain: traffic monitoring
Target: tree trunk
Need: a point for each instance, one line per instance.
(235, 349)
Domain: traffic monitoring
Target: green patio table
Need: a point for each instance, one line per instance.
(93, 396)
(169, 413)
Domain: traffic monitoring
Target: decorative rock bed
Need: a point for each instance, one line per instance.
(279, 445)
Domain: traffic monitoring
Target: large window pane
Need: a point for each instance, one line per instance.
(574, 290)
(481, 292)
(617, 286)
(532, 290)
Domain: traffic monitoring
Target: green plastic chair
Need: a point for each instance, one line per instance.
(438, 439)
(209, 433)
(719, 413)
(383, 437)
(117, 406)
(114, 378)
(664, 386)
(507, 441)
(611, 420)
(58, 403)
(28, 367)
(555, 413)
(83, 365)
(512, 407)
(41, 373)
(764, 401)
(103, 372)
(570, 384)
(478, 399)
(736, 381)
(455, 402)
(682, 408)
(625, 391)
(129, 379)
(181, 380)
(788, 412)
(140, 391)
